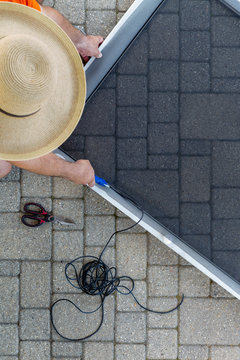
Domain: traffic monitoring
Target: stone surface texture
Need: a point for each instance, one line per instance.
(32, 262)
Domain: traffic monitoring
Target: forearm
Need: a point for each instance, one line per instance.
(49, 165)
(74, 34)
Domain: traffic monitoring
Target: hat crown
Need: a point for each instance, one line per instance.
(27, 74)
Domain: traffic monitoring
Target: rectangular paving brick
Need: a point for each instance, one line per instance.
(226, 203)
(202, 114)
(34, 350)
(9, 268)
(35, 324)
(164, 37)
(193, 283)
(162, 138)
(193, 352)
(228, 261)
(226, 85)
(206, 317)
(195, 15)
(163, 281)
(132, 121)
(163, 162)
(9, 299)
(10, 196)
(195, 179)
(130, 327)
(130, 351)
(163, 75)
(163, 107)
(169, 320)
(68, 349)
(195, 147)
(132, 90)
(226, 234)
(162, 344)
(195, 218)
(227, 353)
(225, 62)
(98, 230)
(224, 31)
(136, 149)
(8, 339)
(38, 275)
(195, 45)
(195, 77)
(70, 210)
(67, 245)
(100, 351)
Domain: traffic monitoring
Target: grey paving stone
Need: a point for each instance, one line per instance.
(225, 62)
(68, 9)
(170, 6)
(108, 256)
(218, 8)
(111, 80)
(163, 138)
(103, 4)
(163, 107)
(195, 45)
(195, 147)
(135, 150)
(226, 203)
(131, 255)
(123, 5)
(162, 344)
(98, 230)
(195, 218)
(225, 85)
(160, 254)
(132, 90)
(8, 357)
(162, 281)
(163, 162)
(34, 185)
(35, 284)
(218, 292)
(163, 75)
(128, 64)
(65, 189)
(34, 324)
(21, 242)
(226, 234)
(69, 209)
(14, 175)
(75, 141)
(98, 148)
(8, 339)
(34, 350)
(164, 182)
(59, 281)
(10, 196)
(225, 31)
(201, 243)
(130, 327)
(193, 353)
(100, 351)
(195, 179)
(67, 349)
(225, 162)
(100, 22)
(127, 302)
(226, 352)
(132, 121)
(203, 322)
(195, 15)
(195, 77)
(9, 299)
(228, 261)
(94, 204)
(124, 223)
(105, 113)
(164, 37)
(130, 352)
(165, 320)
(9, 268)
(202, 114)
(193, 283)
(67, 245)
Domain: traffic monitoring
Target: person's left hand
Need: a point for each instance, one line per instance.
(88, 46)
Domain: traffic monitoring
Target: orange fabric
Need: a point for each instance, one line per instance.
(31, 3)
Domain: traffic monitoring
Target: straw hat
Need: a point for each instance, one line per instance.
(42, 84)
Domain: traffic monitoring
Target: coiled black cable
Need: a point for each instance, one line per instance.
(97, 279)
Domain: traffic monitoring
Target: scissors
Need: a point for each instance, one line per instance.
(37, 215)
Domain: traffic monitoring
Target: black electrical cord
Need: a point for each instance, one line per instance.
(97, 279)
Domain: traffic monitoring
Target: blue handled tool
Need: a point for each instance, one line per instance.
(101, 181)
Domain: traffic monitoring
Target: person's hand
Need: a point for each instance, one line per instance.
(81, 172)
(88, 45)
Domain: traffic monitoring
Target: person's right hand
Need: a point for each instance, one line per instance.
(81, 172)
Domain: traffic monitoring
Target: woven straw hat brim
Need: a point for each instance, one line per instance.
(24, 138)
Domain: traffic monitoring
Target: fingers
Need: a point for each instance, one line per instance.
(91, 183)
(97, 40)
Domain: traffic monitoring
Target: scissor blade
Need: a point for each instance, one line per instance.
(63, 221)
